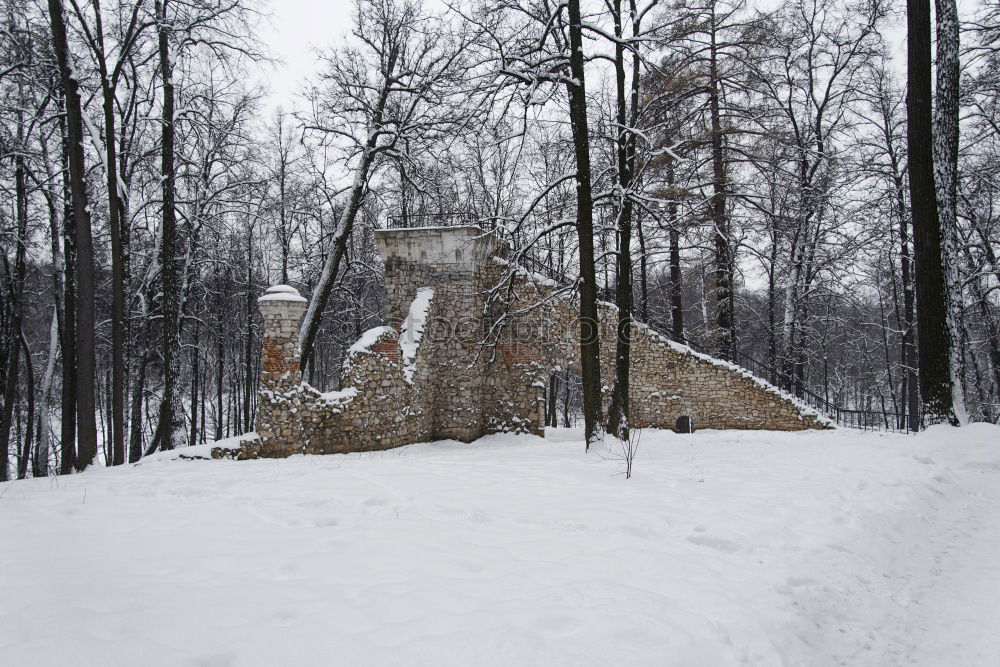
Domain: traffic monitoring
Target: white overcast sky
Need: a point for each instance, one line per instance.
(293, 30)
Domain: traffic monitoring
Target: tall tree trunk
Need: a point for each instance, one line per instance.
(618, 412)
(85, 279)
(345, 224)
(723, 273)
(170, 429)
(908, 354)
(24, 453)
(56, 237)
(590, 344)
(946, 180)
(643, 271)
(248, 347)
(138, 390)
(551, 415)
(115, 220)
(195, 378)
(220, 357)
(909, 395)
(979, 289)
(933, 336)
(16, 298)
(40, 461)
(67, 453)
(676, 287)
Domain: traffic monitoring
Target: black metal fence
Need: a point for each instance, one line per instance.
(416, 220)
(868, 419)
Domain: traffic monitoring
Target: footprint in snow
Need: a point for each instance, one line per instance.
(216, 660)
(717, 543)
(793, 583)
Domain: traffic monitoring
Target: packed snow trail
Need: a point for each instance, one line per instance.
(726, 548)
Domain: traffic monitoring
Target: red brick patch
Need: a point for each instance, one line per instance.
(274, 361)
(388, 348)
(517, 353)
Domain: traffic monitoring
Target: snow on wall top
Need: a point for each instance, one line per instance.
(338, 399)
(412, 330)
(803, 408)
(368, 340)
(282, 293)
(519, 270)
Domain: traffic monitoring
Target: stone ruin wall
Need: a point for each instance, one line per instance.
(667, 380)
(458, 388)
(378, 407)
(452, 359)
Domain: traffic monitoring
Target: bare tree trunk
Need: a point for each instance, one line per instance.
(317, 304)
(119, 373)
(58, 283)
(723, 274)
(195, 378)
(676, 291)
(85, 279)
(220, 360)
(169, 430)
(138, 394)
(945, 130)
(908, 354)
(345, 225)
(248, 345)
(24, 450)
(566, 422)
(15, 295)
(40, 461)
(551, 416)
(643, 271)
(590, 344)
(992, 329)
(618, 412)
(67, 453)
(932, 311)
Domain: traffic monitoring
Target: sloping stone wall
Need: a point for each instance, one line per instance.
(491, 337)
(667, 381)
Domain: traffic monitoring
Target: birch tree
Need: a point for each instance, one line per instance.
(945, 150)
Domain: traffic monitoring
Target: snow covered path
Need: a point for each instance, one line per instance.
(726, 548)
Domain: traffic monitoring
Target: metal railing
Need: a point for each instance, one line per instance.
(448, 219)
(868, 419)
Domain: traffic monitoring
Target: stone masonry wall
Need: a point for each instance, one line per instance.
(381, 406)
(488, 339)
(667, 381)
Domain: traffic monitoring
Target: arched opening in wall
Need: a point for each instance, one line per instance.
(564, 399)
(684, 424)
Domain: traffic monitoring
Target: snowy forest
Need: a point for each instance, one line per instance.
(807, 188)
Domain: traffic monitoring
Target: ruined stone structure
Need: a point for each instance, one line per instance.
(470, 343)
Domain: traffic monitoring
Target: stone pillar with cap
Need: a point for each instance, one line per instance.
(282, 309)
(280, 376)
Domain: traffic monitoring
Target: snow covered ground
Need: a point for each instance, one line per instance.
(726, 548)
